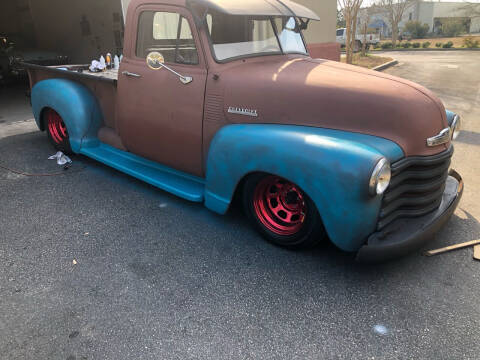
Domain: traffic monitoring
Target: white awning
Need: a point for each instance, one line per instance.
(260, 8)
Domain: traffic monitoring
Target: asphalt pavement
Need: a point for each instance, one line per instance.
(97, 265)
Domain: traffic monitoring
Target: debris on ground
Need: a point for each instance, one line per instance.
(61, 158)
(453, 247)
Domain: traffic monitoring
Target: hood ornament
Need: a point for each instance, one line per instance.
(242, 111)
(442, 138)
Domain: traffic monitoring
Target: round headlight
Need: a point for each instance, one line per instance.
(456, 127)
(380, 178)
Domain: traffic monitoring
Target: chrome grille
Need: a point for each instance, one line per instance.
(416, 187)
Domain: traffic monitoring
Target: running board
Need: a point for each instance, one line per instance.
(183, 185)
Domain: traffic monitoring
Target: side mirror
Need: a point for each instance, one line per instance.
(155, 60)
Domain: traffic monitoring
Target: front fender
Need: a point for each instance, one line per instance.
(333, 167)
(77, 106)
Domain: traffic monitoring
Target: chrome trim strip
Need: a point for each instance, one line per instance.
(442, 138)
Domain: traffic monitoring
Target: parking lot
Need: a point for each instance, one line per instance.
(97, 265)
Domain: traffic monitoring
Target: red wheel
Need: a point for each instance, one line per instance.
(281, 211)
(279, 205)
(57, 131)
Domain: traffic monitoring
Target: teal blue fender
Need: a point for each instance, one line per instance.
(333, 167)
(77, 106)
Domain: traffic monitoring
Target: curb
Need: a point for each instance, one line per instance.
(385, 66)
(432, 49)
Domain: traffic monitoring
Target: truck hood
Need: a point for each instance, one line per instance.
(327, 94)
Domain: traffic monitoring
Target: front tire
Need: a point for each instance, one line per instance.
(57, 131)
(282, 212)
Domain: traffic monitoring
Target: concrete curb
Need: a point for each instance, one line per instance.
(432, 49)
(385, 66)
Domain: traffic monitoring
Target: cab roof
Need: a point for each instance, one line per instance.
(259, 8)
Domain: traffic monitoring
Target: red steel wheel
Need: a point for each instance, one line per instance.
(281, 211)
(57, 131)
(279, 205)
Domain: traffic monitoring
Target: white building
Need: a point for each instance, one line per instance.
(430, 13)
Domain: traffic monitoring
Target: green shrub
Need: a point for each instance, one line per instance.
(426, 44)
(387, 45)
(416, 29)
(453, 27)
(376, 46)
(470, 43)
(407, 45)
(448, 45)
(416, 45)
(439, 45)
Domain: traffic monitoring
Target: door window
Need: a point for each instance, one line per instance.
(167, 33)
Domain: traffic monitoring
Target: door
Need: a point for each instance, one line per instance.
(160, 109)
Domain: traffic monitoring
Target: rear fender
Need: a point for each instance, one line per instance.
(333, 167)
(77, 106)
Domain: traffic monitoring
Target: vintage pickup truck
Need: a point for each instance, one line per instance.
(219, 99)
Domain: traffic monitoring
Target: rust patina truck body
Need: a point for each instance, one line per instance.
(219, 97)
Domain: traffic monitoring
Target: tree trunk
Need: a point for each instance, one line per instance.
(394, 36)
(348, 41)
(364, 43)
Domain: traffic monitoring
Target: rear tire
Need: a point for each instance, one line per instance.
(57, 131)
(281, 212)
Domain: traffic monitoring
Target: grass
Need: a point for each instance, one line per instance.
(457, 41)
(369, 61)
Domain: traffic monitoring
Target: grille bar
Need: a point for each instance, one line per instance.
(416, 188)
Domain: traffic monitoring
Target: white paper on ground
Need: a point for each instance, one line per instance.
(61, 158)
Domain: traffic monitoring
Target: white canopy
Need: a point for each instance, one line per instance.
(260, 8)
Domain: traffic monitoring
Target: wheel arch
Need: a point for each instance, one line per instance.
(77, 106)
(332, 167)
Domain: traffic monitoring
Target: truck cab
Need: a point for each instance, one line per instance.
(220, 98)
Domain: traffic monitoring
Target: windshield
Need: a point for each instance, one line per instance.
(234, 36)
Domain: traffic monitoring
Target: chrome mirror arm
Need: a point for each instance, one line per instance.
(183, 79)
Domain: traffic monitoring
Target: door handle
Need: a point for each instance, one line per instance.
(128, 73)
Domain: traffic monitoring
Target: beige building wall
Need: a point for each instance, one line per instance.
(324, 30)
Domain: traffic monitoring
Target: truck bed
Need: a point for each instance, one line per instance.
(102, 84)
(75, 71)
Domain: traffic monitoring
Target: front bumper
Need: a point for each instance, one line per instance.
(406, 235)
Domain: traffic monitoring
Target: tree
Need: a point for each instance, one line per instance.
(364, 19)
(393, 10)
(340, 20)
(350, 10)
(471, 9)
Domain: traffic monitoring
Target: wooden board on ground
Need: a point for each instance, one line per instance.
(476, 252)
(452, 247)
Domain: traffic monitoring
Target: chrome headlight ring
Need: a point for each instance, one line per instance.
(456, 127)
(380, 178)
